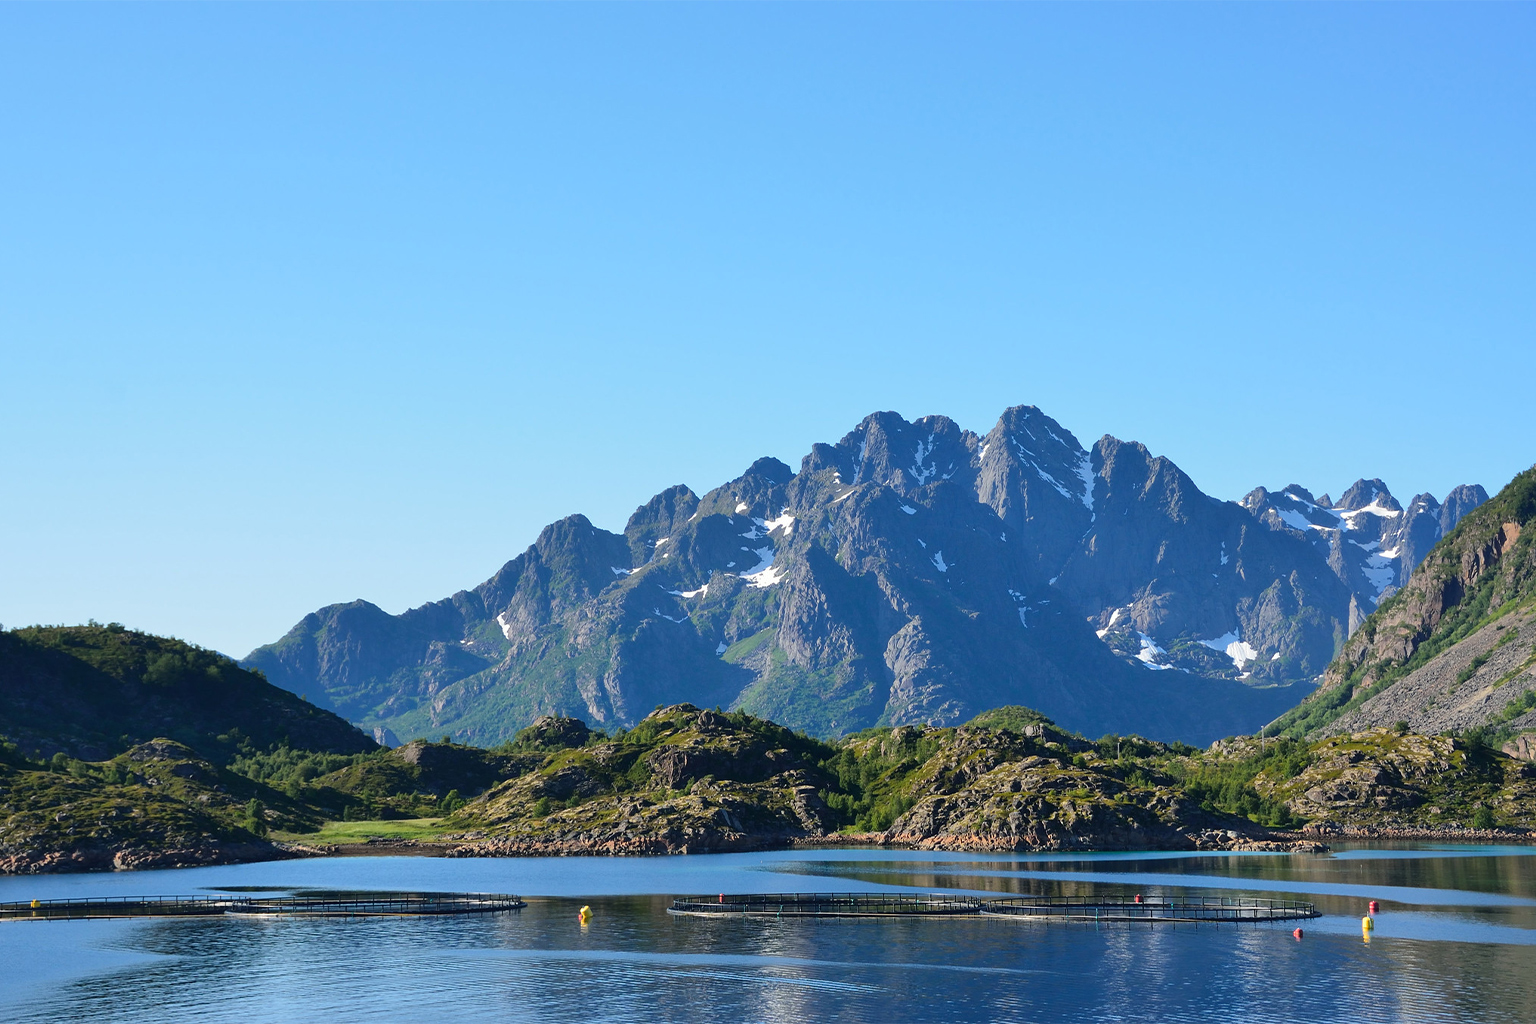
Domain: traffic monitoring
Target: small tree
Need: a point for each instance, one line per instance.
(255, 818)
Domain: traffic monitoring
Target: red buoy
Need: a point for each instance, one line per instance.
(1297, 933)
(1138, 897)
(1375, 906)
(722, 897)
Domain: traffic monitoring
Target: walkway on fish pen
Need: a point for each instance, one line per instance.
(1104, 909)
(826, 904)
(1149, 908)
(326, 904)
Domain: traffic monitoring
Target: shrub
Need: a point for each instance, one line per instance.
(255, 818)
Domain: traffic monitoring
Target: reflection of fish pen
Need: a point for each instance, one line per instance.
(1041, 908)
(826, 904)
(317, 904)
(1148, 908)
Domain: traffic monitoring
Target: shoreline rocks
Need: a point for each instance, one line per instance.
(104, 858)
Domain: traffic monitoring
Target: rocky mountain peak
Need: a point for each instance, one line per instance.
(887, 450)
(1458, 502)
(1363, 494)
(656, 519)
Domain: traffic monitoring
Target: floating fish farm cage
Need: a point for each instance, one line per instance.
(1149, 908)
(311, 904)
(825, 904)
(1032, 908)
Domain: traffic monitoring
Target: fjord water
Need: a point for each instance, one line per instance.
(1455, 941)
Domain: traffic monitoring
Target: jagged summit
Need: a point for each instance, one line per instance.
(1369, 540)
(909, 572)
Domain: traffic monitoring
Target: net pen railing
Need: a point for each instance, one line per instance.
(827, 904)
(116, 906)
(380, 904)
(1061, 908)
(302, 905)
(1150, 908)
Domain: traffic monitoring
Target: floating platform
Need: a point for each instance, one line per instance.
(1103, 909)
(314, 904)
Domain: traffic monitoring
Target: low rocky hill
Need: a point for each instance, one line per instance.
(157, 804)
(1383, 779)
(690, 780)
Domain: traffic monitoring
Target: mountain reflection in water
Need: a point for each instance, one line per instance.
(1457, 947)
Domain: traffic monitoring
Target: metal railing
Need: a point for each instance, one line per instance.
(827, 904)
(1150, 908)
(1059, 908)
(330, 904)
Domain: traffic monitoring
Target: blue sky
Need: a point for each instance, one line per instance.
(306, 303)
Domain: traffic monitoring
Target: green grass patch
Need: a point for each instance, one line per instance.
(339, 832)
(741, 650)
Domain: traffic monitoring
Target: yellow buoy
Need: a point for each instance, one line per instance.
(585, 915)
(1366, 924)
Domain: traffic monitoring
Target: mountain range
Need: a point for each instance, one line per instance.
(913, 572)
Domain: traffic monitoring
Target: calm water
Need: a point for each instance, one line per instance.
(1455, 941)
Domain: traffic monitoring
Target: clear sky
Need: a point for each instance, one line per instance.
(304, 303)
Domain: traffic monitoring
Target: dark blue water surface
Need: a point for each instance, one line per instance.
(1455, 941)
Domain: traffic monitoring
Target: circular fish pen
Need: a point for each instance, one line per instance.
(1148, 908)
(826, 904)
(1102, 909)
(317, 904)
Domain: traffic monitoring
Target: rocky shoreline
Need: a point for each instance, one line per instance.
(1310, 839)
(1452, 834)
(137, 858)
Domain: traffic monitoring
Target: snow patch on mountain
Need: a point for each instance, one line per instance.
(922, 473)
(1233, 646)
(1374, 508)
(1020, 601)
(1296, 521)
(1381, 570)
(1085, 473)
(1149, 653)
(785, 522)
(765, 573)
